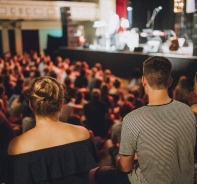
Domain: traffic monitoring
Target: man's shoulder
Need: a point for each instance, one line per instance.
(136, 112)
(181, 107)
(135, 116)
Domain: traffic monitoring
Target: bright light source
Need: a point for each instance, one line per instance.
(129, 8)
(178, 6)
(124, 23)
(99, 24)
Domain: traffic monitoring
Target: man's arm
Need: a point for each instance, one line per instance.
(125, 163)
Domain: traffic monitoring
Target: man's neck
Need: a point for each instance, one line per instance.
(158, 97)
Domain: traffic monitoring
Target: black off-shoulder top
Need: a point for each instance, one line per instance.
(64, 164)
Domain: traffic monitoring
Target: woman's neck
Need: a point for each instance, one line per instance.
(46, 120)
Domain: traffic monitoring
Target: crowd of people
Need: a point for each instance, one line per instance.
(48, 106)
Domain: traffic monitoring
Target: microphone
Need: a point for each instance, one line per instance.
(159, 8)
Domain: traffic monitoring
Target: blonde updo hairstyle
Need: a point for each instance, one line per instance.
(45, 96)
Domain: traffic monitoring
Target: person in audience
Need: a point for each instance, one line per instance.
(136, 79)
(74, 119)
(182, 89)
(70, 89)
(3, 99)
(93, 81)
(28, 123)
(80, 98)
(162, 133)
(135, 98)
(99, 71)
(6, 135)
(97, 115)
(116, 92)
(81, 81)
(106, 98)
(52, 151)
(78, 103)
(9, 86)
(125, 108)
(108, 175)
(192, 101)
(67, 110)
(192, 97)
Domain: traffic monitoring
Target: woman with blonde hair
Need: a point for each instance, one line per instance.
(51, 152)
(192, 97)
(182, 89)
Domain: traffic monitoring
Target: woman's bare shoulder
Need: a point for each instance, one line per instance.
(19, 144)
(79, 131)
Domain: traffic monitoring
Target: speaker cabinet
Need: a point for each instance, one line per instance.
(195, 45)
(68, 28)
(194, 32)
(196, 4)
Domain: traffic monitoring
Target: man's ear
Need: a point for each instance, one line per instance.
(144, 82)
(170, 82)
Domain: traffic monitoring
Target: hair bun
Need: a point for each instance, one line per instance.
(45, 96)
(46, 90)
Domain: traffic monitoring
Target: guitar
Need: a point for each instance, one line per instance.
(174, 46)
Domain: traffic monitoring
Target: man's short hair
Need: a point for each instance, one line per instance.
(157, 71)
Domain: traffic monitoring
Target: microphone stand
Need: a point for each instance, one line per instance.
(152, 19)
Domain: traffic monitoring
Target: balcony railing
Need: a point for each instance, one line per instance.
(46, 10)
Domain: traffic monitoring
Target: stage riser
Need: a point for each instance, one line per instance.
(123, 63)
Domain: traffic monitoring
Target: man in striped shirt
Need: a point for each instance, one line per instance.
(162, 133)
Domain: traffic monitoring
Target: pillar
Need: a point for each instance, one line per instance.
(18, 38)
(5, 37)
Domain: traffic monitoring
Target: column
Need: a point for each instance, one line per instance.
(5, 37)
(18, 38)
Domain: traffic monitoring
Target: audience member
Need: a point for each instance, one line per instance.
(163, 133)
(93, 81)
(3, 100)
(6, 135)
(125, 108)
(81, 81)
(97, 115)
(66, 111)
(192, 101)
(74, 119)
(136, 79)
(116, 92)
(192, 97)
(99, 73)
(28, 123)
(182, 89)
(80, 98)
(136, 99)
(106, 98)
(52, 151)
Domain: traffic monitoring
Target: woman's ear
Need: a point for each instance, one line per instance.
(30, 106)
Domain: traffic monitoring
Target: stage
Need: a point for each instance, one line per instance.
(123, 63)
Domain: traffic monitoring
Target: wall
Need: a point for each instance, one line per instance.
(43, 36)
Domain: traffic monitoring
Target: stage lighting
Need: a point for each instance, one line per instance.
(178, 6)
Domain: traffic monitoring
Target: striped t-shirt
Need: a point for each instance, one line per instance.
(163, 137)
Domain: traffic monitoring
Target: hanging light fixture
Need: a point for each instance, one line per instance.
(178, 6)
